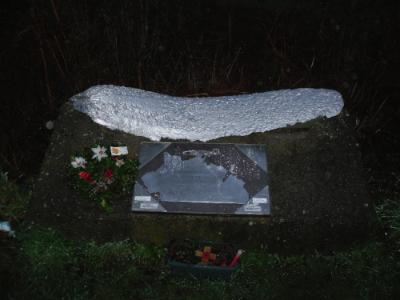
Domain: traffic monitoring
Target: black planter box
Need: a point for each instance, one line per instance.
(194, 269)
(201, 271)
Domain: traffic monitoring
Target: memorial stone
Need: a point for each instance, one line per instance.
(317, 191)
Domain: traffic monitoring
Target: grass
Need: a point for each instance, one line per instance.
(59, 268)
(54, 268)
(13, 200)
(390, 221)
(42, 264)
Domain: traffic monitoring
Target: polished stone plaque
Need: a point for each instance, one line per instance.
(201, 178)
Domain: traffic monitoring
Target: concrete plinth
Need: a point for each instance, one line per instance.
(318, 193)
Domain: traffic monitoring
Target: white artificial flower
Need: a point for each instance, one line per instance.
(119, 162)
(79, 162)
(99, 153)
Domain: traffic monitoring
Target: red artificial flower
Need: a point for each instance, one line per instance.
(108, 173)
(85, 176)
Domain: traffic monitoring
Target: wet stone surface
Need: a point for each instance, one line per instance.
(316, 185)
(202, 178)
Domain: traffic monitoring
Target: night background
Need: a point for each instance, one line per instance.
(52, 50)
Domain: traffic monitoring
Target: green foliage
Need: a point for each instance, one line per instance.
(389, 216)
(13, 200)
(360, 273)
(48, 262)
(93, 182)
(56, 268)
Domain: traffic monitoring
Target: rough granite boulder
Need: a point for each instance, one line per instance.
(318, 193)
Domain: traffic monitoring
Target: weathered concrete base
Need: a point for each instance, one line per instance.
(318, 193)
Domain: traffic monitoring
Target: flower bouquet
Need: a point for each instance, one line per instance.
(100, 173)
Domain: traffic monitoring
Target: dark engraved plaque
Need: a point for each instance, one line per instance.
(202, 179)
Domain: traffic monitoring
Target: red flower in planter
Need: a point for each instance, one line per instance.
(108, 173)
(85, 176)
